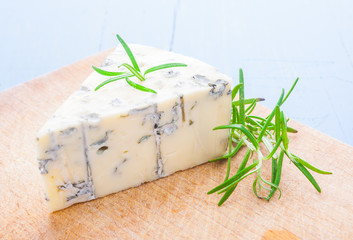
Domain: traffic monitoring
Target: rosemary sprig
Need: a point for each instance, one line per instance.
(246, 130)
(132, 71)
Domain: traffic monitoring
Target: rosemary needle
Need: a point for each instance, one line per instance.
(129, 53)
(106, 73)
(250, 131)
(138, 86)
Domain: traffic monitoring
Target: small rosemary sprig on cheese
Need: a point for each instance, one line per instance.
(132, 71)
(246, 130)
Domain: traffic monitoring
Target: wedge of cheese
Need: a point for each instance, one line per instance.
(101, 142)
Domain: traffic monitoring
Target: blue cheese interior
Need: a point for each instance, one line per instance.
(101, 142)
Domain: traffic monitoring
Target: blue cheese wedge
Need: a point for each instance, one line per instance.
(101, 142)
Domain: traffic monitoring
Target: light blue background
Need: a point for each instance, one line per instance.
(274, 41)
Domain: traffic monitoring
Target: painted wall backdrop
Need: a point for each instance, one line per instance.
(273, 41)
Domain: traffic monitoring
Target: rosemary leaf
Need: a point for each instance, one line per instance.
(139, 87)
(291, 130)
(309, 166)
(278, 175)
(231, 190)
(106, 73)
(129, 53)
(290, 91)
(245, 160)
(277, 122)
(258, 118)
(233, 179)
(164, 66)
(226, 195)
(235, 90)
(280, 100)
(243, 129)
(229, 152)
(284, 131)
(235, 115)
(274, 171)
(264, 128)
(247, 101)
(241, 98)
(307, 174)
(254, 186)
(112, 80)
(252, 106)
(235, 182)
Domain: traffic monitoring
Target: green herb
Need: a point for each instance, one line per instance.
(164, 66)
(250, 131)
(139, 87)
(113, 80)
(132, 70)
(129, 53)
(106, 73)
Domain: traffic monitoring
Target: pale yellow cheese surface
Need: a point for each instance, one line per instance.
(101, 142)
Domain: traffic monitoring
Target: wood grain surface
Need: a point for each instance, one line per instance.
(175, 207)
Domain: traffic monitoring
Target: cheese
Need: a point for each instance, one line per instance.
(101, 142)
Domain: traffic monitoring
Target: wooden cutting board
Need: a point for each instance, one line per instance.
(176, 207)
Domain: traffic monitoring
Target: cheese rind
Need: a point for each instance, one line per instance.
(101, 142)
